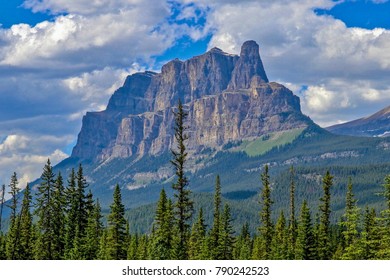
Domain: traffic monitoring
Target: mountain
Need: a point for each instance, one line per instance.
(228, 98)
(238, 122)
(376, 125)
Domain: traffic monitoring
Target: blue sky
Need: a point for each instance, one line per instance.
(62, 58)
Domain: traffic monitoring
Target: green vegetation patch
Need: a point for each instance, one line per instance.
(269, 141)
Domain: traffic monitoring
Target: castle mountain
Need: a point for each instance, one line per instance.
(228, 99)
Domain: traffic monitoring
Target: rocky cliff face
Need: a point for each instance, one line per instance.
(228, 98)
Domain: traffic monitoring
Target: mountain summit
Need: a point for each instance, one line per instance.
(228, 98)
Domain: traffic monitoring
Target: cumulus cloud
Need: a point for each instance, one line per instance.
(342, 70)
(27, 155)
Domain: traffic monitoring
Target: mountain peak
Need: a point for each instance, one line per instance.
(248, 67)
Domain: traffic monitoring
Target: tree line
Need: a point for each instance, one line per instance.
(64, 221)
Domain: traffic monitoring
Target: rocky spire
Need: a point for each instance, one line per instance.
(248, 68)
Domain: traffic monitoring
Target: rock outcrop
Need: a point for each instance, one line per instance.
(228, 98)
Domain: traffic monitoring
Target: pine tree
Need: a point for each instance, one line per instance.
(226, 238)
(292, 224)
(133, 248)
(350, 225)
(116, 238)
(71, 213)
(183, 205)
(94, 232)
(266, 226)
(384, 223)
(280, 242)
(243, 246)
(324, 245)
(215, 230)
(59, 220)
(13, 233)
(198, 238)
(45, 213)
(103, 252)
(305, 247)
(161, 240)
(370, 236)
(26, 228)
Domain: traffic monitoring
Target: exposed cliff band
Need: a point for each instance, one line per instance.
(228, 97)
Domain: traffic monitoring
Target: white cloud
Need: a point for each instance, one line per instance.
(345, 70)
(27, 155)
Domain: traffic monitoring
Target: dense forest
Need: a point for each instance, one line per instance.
(64, 221)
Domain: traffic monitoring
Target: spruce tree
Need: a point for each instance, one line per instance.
(59, 202)
(183, 207)
(26, 228)
(133, 248)
(94, 232)
(116, 238)
(243, 246)
(198, 238)
(161, 239)
(305, 246)
(215, 230)
(266, 226)
(370, 239)
(71, 213)
(324, 244)
(2, 194)
(226, 235)
(350, 225)
(292, 224)
(280, 241)
(45, 213)
(13, 233)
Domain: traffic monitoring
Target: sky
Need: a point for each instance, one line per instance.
(62, 58)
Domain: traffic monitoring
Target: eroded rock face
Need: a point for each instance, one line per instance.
(228, 98)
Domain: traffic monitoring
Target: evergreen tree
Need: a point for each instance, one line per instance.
(370, 235)
(350, 225)
(142, 250)
(2, 194)
(384, 223)
(71, 213)
(161, 241)
(198, 238)
(133, 248)
(243, 246)
(305, 247)
(59, 218)
(280, 242)
(103, 252)
(116, 238)
(26, 228)
(45, 214)
(215, 230)
(292, 224)
(93, 232)
(12, 244)
(266, 226)
(324, 245)
(226, 238)
(183, 205)
(3, 255)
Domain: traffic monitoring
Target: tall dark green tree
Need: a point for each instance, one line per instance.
(226, 235)
(59, 202)
(324, 244)
(292, 224)
(215, 230)
(71, 213)
(243, 246)
(183, 207)
(45, 213)
(94, 232)
(161, 239)
(266, 226)
(198, 238)
(305, 246)
(26, 228)
(350, 225)
(116, 238)
(13, 233)
(280, 239)
(2, 200)
(370, 239)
